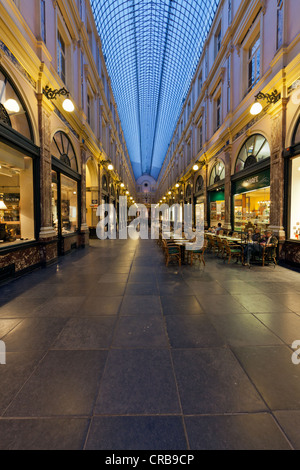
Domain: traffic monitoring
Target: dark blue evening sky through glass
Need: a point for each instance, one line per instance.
(151, 48)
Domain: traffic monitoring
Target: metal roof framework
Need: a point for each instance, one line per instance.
(151, 48)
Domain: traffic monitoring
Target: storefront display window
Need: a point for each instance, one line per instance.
(252, 208)
(16, 197)
(295, 198)
(54, 189)
(217, 212)
(69, 209)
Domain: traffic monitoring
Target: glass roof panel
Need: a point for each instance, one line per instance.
(151, 48)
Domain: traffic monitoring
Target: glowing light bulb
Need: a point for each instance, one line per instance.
(256, 108)
(12, 106)
(68, 105)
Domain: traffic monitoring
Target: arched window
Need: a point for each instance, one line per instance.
(188, 191)
(254, 150)
(104, 183)
(199, 184)
(296, 135)
(13, 112)
(63, 150)
(217, 173)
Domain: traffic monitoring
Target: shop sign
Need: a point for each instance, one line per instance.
(261, 180)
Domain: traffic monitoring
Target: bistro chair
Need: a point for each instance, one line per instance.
(233, 251)
(212, 243)
(268, 255)
(171, 251)
(198, 254)
(220, 246)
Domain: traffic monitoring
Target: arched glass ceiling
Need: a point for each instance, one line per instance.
(151, 48)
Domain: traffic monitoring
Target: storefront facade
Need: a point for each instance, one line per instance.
(216, 195)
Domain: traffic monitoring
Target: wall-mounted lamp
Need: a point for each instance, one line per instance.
(196, 167)
(53, 94)
(271, 98)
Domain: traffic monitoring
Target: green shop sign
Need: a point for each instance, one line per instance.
(260, 180)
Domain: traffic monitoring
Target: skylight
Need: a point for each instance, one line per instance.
(152, 48)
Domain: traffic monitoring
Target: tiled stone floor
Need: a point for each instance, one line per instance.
(111, 350)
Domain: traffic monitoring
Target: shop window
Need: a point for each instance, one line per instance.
(12, 111)
(295, 198)
(217, 173)
(254, 63)
(252, 209)
(64, 204)
(63, 150)
(16, 197)
(254, 150)
(69, 209)
(54, 192)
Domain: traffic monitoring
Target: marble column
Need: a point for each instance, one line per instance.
(47, 235)
(277, 172)
(84, 230)
(227, 192)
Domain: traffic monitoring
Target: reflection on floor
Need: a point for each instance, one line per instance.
(111, 350)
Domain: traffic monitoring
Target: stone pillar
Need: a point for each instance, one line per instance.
(84, 230)
(277, 172)
(227, 222)
(205, 177)
(47, 235)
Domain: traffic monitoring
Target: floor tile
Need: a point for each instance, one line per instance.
(241, 330)
(138, 382)
(212, 381)
(137, 433)
(141, 288)
(144, 304)
(19, 367)
(65, 383)
(180, 305)
(86, 333)
(34, 334)
(192, 331)
(61, 306)
(140, 331)
(99, 306)
(290, 423)
(273, 373)
(260, 303)
(220, 304)
(235, 432)
(286, 327)
(43, 434)
(7, 325)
